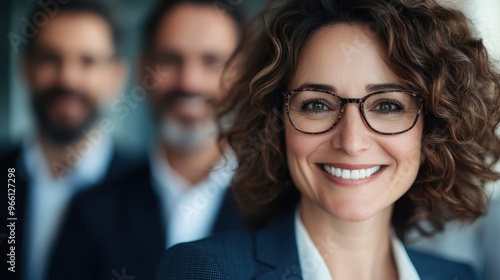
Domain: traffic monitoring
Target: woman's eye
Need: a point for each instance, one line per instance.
(314, 106)
(388, 107)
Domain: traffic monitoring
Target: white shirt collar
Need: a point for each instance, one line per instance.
(314, 267)
(49, 196)
(87, 162)
(406, 270)
(190, 211)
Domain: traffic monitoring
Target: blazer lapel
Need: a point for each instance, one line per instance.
(276, 247)
(228, 217)
(121, 163)
(141, 215)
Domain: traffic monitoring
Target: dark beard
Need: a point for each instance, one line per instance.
(52, 129)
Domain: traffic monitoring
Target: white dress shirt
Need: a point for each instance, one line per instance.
(190, 211)
(314, 267)
(49, 196)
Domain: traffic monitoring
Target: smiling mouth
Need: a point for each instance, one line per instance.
(351, 174)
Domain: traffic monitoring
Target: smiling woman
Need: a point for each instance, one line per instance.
(337, 186)
(383, 137)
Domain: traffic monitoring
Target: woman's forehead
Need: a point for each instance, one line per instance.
(343, 55)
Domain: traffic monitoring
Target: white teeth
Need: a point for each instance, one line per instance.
(355, 174)
(375, 169)
(368, 172)
(362, 173)
(351, 174)
(338, 172)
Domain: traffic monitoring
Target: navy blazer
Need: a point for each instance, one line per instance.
(12, 158)
(117, 231)
(271, 254)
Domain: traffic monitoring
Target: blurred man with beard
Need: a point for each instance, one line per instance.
(181, 192)
(71, 68)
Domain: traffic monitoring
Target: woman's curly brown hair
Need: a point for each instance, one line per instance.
(433, 50)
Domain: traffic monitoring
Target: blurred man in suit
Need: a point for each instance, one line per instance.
(71, 69)
(181, 192)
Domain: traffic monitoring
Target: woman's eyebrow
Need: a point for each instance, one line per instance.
(385, 86)
(317, 86)
(369, 88)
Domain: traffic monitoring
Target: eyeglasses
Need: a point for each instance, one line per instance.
(389, 112)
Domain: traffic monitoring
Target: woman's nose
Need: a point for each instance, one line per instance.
(351, 134)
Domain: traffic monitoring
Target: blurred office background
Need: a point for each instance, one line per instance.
(15, 112)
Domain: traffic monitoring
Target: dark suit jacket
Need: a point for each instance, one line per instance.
(12, 159)
(118, 231)
(271, 253)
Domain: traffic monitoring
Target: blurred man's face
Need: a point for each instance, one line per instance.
(71, 69)
(192, 44)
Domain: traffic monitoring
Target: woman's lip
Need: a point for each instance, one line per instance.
(350, 166)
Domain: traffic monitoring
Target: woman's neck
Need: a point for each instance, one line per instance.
(352, 250)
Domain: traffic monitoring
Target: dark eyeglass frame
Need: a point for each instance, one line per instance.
(359, 101)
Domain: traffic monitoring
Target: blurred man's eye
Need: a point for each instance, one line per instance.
(47, 58)
(169, 60)
(88, 61)
(214, 62)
